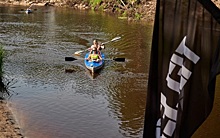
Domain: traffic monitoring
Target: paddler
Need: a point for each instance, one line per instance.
(97, 45)
(94, 56)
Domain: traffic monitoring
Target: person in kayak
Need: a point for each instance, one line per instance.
(94, 56)
(96, 45)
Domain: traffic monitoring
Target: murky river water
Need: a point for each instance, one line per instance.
(51, 103)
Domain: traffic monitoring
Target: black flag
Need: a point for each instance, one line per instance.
(185, 60)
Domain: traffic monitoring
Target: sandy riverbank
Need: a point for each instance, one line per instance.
(8, 125)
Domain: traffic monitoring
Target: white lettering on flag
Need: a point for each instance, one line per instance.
(184, 73)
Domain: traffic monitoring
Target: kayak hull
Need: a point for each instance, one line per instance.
(94, 66)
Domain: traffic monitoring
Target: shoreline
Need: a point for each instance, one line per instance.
(143, 13)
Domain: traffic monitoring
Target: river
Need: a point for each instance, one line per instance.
(50, 102)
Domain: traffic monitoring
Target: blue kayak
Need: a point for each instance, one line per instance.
(93, 66)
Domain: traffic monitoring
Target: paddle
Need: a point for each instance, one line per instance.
(70, 59)
(114, 39)
(115, 59)
(78, 52)
(31, 6)
(119, 59)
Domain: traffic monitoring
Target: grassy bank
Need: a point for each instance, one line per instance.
(2, 86)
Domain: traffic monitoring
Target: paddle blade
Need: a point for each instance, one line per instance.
(70, 59)
(116, 38)
(79, 52)
(119, 59)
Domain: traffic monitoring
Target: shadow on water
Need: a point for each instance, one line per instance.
(6, 88)
(92, 75)
(75, 69)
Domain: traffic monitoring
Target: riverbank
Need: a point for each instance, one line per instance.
(8, 125)
(142, 11)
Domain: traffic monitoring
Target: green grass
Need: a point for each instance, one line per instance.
(3, 89)
(95, 2)
(138, 16)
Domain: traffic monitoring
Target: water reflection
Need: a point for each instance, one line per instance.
(127, 102)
